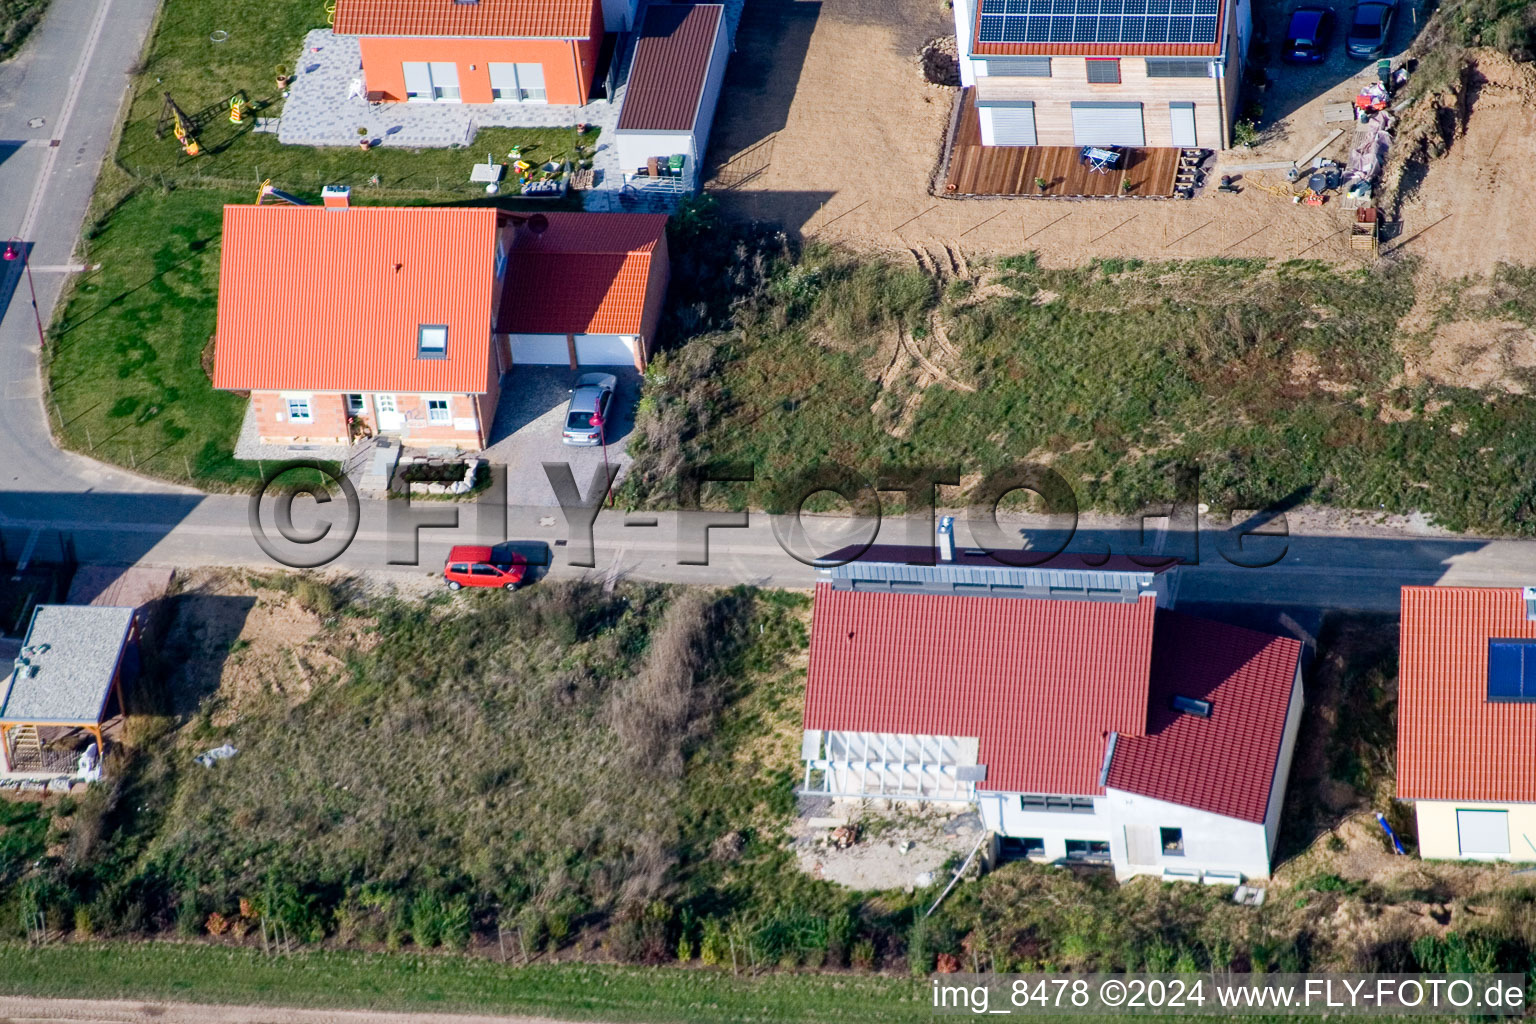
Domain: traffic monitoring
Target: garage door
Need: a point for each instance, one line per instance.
(540, 349)
(1012, 124)
(1483, 833)
(604, 350)
(1107, 124)
(1181, 123)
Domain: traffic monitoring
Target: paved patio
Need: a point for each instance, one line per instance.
(325, 109)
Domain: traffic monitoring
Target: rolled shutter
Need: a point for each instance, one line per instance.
(1107, 124)
(1013, 124)
(418, 80)
(1181, 122)
(530, 76)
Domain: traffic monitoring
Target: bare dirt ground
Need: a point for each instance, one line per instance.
(23, 1010)
(904, 846)
(1472, 206)
(844, 150)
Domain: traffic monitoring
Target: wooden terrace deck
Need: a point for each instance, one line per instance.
(977, 170)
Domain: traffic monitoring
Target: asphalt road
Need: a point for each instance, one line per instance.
(59, 101)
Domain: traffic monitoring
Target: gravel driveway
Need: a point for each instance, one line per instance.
(526, 432)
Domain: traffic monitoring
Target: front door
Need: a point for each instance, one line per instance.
(388, 412)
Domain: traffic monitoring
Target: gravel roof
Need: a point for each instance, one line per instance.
(76, 650)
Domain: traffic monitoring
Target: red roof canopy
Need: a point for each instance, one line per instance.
(1452, 743)
(1226, 763)
(1040, 683)
(530, 19)
(588, 273)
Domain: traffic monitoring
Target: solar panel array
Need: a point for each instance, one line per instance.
(1511, 670)
(1098, 21)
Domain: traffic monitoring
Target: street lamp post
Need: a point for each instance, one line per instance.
(602, 436)
(12, 252)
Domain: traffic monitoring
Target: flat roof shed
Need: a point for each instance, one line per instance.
(674, 85)
(68, 666)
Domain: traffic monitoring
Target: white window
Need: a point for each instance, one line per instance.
(1483, 832)
(432, 341)
(517, 83)
(437, 411)
(437, 80)
(298, 409)
(445, 81)
(418, 81)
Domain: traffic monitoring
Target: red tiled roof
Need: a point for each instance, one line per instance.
(671, 62)
(1452, 743)
(528, 19)
(586, 274)
(1040, 683)
(1224, 764)
(316, 299)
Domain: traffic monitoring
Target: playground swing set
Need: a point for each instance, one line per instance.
(185, 127)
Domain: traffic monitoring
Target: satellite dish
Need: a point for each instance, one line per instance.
(538, 224)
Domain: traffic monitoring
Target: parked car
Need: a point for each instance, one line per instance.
(470, 566)
(1370, 29)
(1310, 35)
(593, 393)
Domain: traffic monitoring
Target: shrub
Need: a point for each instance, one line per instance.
(428, 916)
(919, 952)
(839, 937)
(84, 928)
(1245, 133)
(714, 946)
(456, 923)
(862, 955)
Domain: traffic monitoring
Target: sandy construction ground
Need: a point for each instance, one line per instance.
(828, 127)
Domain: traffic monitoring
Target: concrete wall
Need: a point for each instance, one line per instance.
(1212, 842)
(1053, 98)
(965, 13)
(1283, 762)
(569, 64)
(1439, 840)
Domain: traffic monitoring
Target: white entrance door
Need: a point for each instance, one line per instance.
(1107, 124)
(388, 413)
(1181, 124)
(604, 350)
(540, 350)
(1141, 844)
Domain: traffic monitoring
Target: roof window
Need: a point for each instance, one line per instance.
(432, 341)
(1191, 706)
(1512, 671)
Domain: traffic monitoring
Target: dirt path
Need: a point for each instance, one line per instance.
(23, 1010)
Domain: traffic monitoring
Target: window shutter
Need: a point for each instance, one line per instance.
(418, 80)
(1019, 67)
(530, 76)
(1177, 67)
(1104, 71)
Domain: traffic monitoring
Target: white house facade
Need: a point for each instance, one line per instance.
(1085, 724)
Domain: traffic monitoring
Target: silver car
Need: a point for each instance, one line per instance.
(593, 393)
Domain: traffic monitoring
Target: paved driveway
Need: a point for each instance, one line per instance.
(526, 433)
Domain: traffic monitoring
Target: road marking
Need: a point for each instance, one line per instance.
(73, 97)
(60, 268)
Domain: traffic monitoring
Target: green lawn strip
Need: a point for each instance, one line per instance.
(202, 75)
(17, 20)
(411, 982)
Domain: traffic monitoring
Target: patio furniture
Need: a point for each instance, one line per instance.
(1100, 161)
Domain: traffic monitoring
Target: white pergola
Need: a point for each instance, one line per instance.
(890, 766)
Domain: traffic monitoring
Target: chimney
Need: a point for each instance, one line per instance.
(1529, 593)
(947, 539)
(336, 197)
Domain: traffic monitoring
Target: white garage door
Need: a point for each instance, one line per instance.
(540, 349)
(1010, 124)
(1483, 832)
(604, 350)
(1107, 124)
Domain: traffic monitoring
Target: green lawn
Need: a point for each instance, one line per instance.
(202, 75)
(408, 982)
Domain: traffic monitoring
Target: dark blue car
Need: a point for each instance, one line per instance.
(1310, 33)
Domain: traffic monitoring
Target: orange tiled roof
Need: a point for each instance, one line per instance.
(586, 274)
(1452, 742)
(533, 19)
(316, 299)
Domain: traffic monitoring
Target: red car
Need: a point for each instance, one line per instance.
(479, 567)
